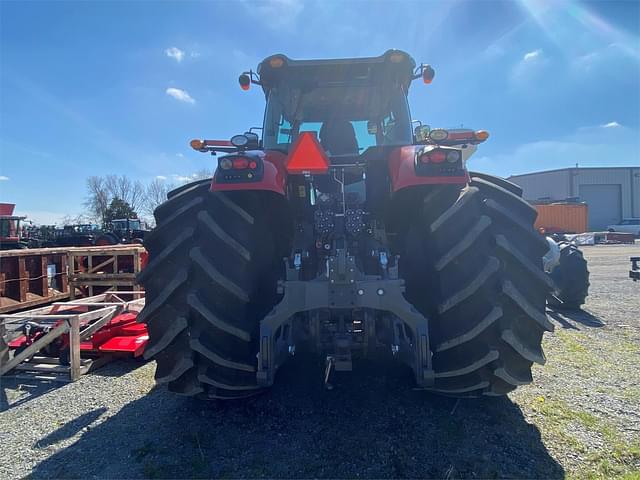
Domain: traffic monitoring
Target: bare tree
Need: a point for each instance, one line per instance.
(97, 199)
(74, 220)
(155, 194)
(125, 189)
(143, 200)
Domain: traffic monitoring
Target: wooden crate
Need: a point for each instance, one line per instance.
(80, 326)
(31, 277)
(25, 278)
(95, 270)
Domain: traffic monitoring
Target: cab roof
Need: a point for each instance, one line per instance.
(393, 66)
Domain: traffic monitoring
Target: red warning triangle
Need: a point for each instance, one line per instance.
(307, 156)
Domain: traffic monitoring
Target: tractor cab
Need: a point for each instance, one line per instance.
(342, 121)
(350, 107)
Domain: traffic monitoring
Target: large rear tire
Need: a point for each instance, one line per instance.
(214, 262)
(474, 266)
(571, 278)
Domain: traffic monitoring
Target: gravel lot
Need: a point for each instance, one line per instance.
(580, 418)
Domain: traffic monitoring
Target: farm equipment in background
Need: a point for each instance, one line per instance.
(567, 267)
(80, 235)
(10, 230)
(124, 230)
(346, 232)
(121, 336)
(634, 273)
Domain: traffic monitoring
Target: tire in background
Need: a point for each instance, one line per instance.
(571, 278)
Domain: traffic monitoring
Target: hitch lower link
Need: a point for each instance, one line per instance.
(345, 287)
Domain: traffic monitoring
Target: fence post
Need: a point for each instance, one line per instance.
(74, 347)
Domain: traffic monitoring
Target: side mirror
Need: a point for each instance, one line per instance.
(254, 141)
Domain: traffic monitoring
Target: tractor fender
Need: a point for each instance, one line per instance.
(274, 174)
(403, 173)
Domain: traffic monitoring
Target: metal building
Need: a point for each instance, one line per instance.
(611, 193)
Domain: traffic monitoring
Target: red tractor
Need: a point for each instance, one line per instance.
(345, 231)
(10, 231)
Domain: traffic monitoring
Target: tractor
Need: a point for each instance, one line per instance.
(123, 230)
(10, 231)
(349, 231)
(567, 267)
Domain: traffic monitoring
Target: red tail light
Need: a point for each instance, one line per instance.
(434, 156)
(307, 156)
(240, 163)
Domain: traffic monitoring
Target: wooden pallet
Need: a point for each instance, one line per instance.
(80, 326)
(49, 368)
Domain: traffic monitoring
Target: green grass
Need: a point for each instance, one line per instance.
(617, 459)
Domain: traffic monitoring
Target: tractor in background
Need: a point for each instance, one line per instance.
(634, 272)
(567, 267)
(10, 229)
(124, 230)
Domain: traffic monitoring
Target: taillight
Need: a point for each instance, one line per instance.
(239, 169)
(240, 163)
(434, 156)
(237, 163)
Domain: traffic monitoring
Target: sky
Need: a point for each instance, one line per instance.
(121, 87)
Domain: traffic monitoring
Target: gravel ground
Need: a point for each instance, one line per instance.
(580, 418)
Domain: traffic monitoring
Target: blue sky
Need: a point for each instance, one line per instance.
(94, 88)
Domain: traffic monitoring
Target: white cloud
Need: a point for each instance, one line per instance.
(610, 125)
(529, 69)
(180, 155)
(160, 177)
(532, 55)
(180, 94)
(3, 178)
(195, 54)
(175, 53)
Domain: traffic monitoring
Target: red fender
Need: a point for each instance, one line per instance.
(273, 179)
(403, 171)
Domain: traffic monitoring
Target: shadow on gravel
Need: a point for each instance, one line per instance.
(371, 425)
(23, 390)
(566, 317)
(28, 389)
(69, 429)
